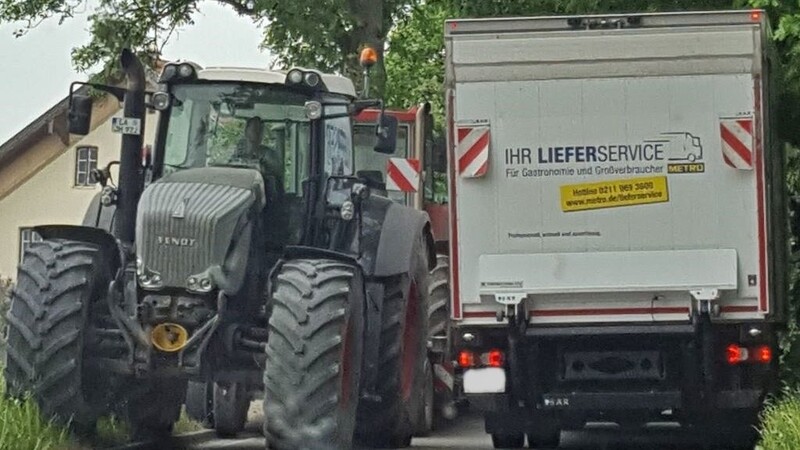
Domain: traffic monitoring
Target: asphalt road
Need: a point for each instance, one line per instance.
(467, 433)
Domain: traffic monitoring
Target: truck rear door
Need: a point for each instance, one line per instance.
(610, 174)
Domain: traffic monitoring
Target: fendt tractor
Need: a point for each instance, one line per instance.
(418, 151)
(618, 221)
(243, 251)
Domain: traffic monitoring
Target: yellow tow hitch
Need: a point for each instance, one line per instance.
(169, 337)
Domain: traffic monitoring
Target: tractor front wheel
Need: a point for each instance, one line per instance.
(314, 356)
(57, 282)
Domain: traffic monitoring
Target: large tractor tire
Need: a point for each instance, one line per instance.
(57, 282)
(231, 403)
(314, 354)
(392, 421)
(200, 403)
(153, 406)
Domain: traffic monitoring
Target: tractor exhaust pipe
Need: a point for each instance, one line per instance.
(131, 179)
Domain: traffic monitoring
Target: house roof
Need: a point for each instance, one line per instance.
(42, 126)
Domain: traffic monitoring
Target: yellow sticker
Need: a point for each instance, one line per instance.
(612, 194)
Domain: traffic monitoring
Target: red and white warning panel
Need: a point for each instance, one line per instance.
(472, 148)
(402, 175)
(737, 142)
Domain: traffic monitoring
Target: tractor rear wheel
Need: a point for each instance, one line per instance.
(47, 324)
(391, 421)
(231, 403)
(314, 356)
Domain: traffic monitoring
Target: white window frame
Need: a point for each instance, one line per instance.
(26, 237)
(87, 153)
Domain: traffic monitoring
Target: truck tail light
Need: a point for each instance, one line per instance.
(466, 358)
(736, 354)
(495, 358)
(764, 354)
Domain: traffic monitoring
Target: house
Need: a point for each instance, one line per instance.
(45, 174)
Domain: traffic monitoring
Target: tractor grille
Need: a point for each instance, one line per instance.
(185, 228)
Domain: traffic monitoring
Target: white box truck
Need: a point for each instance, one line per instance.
(618, 220)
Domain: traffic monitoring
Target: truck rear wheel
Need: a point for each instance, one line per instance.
(231, 403)
(544, 438)
(514, 440)
(391, 422)
(314, 356)
(47, 323)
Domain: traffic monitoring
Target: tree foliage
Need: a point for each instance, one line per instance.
(324, 34)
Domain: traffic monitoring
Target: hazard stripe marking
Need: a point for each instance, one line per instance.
(402, 174)
(737, 143)
(473, 150)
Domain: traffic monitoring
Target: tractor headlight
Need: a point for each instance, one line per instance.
(150, 280)
(200, 283)
(185, 70)
(294, 77)
(313, 110)
(312, 79)
(169, 72)
(160, 100)
(348, 210)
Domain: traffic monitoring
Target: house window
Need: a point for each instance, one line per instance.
(26, 237)
(85, 162)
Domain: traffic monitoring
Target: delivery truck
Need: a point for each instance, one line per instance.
(618, 219)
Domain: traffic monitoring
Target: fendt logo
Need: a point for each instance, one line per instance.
(174, 241)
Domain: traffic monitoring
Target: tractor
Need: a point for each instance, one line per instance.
(415, 141)
(243, 252)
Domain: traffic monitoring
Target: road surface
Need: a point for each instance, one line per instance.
(467, 433)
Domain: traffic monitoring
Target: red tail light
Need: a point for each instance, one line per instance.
(466, 358)
(764, 354)
(735, 354)
(495, 358)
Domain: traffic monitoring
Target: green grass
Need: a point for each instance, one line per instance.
(780, 426)
(22, 428)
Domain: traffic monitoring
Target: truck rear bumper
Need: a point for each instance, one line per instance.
(617, 401)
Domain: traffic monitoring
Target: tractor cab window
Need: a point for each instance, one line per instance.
(338, 143)
(245, 125)
(372, 161)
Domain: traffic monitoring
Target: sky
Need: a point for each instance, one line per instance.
(37, 68)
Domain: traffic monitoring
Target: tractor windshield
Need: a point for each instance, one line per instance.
(239, 124)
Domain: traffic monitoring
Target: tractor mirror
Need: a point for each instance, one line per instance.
(80, 114)
(387, 134)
